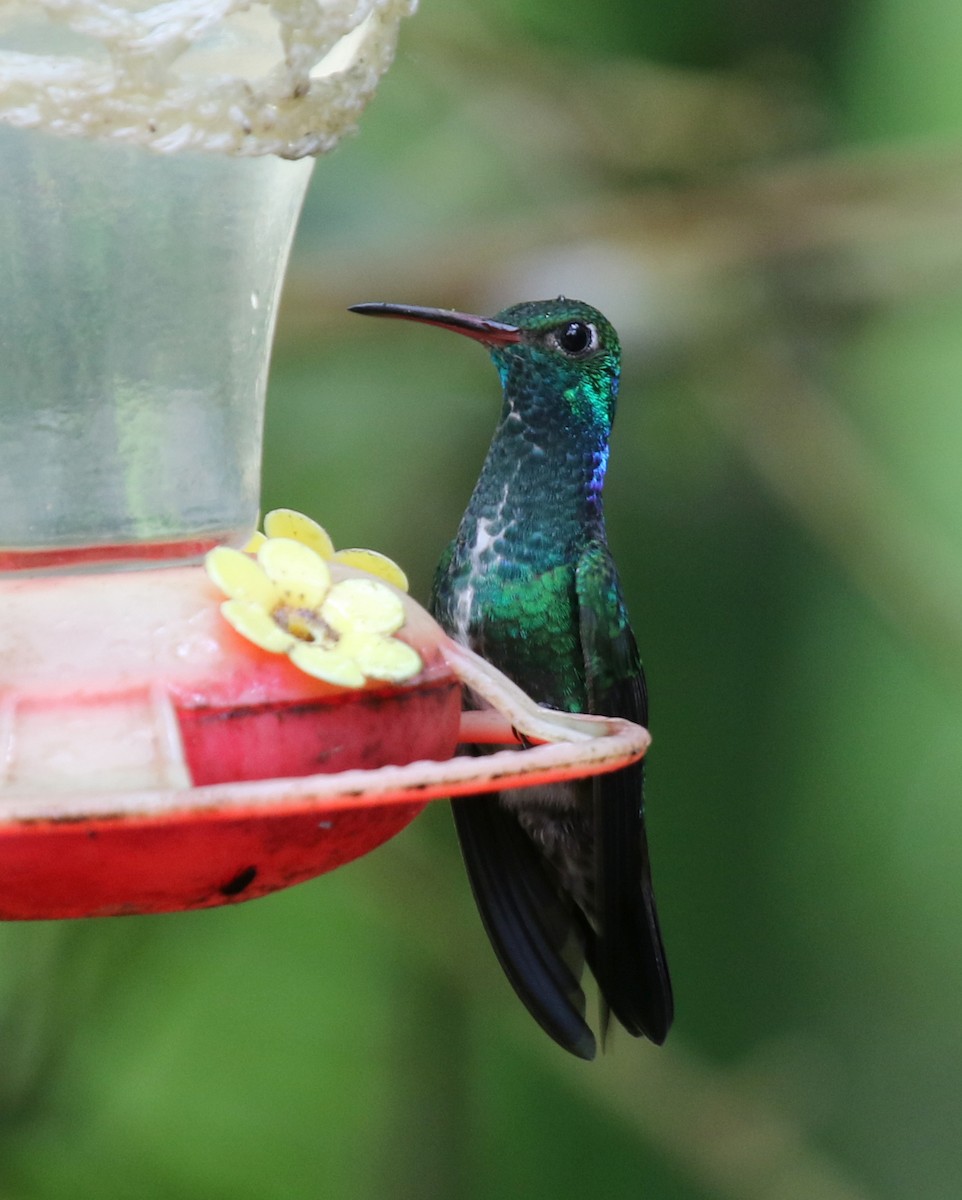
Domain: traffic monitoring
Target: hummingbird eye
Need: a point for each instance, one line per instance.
(575, 339)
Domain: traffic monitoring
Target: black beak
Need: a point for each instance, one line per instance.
(482, 329)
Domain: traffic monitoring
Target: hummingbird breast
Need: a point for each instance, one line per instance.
(506, 586)
(517, 610)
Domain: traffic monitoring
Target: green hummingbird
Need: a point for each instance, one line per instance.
(560, 872)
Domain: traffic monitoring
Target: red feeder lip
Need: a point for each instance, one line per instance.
(193, 774)
(184, 848)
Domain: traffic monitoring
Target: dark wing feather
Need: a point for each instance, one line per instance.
(537, 935)
(627, 957)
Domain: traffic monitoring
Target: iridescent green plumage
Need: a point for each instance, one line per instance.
(560, 873)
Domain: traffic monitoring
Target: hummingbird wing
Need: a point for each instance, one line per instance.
(536, 930)
(627, 956)
(538, 934)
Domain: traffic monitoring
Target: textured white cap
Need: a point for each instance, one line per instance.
(242, 77)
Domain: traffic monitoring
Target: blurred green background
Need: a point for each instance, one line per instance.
(764, 196)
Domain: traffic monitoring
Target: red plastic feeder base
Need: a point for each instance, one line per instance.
(123, 696)
(107, 867)
(151, 760)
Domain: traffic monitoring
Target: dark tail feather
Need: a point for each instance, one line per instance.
(628, 958)
(539, 938)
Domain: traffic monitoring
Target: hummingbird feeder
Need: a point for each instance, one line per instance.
(163, 747)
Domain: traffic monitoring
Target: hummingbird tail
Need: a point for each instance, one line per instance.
(628, 958)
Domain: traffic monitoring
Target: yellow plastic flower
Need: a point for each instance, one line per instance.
(286, 523)
(281, 598)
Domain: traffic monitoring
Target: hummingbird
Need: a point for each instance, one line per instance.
(560, 872)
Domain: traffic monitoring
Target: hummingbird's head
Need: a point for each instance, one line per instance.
(558, 359)
(566, 353)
